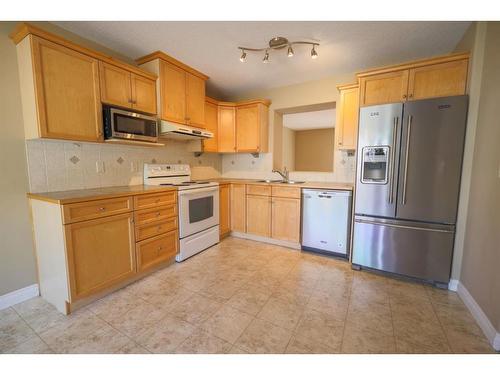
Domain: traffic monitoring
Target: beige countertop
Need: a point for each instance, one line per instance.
(83, 195)
(305, 185)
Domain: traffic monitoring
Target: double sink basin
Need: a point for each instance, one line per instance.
(289, 182)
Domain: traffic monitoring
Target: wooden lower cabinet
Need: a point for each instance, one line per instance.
(156, 250)
(224, 209)
(100, 254)
(258, 212)
(285, 215)
(238, 207)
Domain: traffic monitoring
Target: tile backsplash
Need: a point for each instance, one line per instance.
(65, 165)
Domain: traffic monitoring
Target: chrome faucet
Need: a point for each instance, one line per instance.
(283, 174)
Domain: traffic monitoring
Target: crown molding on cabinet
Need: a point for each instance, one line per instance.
(24, 29)
(163, 56)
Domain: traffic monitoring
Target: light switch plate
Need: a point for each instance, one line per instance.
(99, 166)
(133, 166)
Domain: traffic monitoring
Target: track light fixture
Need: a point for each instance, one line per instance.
(276, 43)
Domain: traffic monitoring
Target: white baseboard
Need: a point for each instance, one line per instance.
(482, 320)
(18, 296)
(453, 285)
(272, 241)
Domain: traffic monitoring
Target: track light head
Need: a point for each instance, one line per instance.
(265, 60)
(290, 51)
(314, 54)
(243, 56)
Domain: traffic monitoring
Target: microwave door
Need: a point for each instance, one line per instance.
(378, 158)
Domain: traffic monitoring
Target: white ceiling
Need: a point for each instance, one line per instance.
(310, 120)
(211, 47)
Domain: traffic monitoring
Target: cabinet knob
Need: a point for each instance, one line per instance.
(404, 96)
(410, 96)
(102, 208)
(158, 213)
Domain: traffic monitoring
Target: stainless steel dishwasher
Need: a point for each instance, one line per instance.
(326, 221)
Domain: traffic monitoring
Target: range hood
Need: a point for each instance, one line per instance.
(178, 131)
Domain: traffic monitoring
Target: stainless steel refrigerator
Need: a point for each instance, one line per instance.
(408, 178)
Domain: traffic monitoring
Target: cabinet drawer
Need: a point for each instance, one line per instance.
(286, 192)
(259, 190)
(156, 250)
(152, 215)
(150, 230)
(153, 200)
(76, 212)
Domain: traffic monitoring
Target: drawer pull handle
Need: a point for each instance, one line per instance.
(158, 213)
(102, 208)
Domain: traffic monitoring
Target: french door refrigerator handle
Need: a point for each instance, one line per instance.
(407, 156)
(393, 147)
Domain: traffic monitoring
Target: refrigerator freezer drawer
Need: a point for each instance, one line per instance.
(412, 249)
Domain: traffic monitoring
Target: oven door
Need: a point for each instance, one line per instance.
(198, 210)
(131, 125)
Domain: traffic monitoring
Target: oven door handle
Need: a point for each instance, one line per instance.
(198, 190)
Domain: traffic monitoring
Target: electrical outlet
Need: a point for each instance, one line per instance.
(133, 166)
(99, 166)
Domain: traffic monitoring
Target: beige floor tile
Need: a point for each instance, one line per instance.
(227, 323)
(134, 322)
(165, 335)
(103, 341)
(250, 300)
(377, 318)
(294, 296)
(302, 345)
(196, 309)
(421, 332)
(264, 337)
(443, 296)
(464, 343)
(39, 314)
(33, 346)
(408, 347)
(132, 348)
(13, 330)
(359, 340)
(115, 305)
(281, 313)
(202, 342)
(405, 289)
(333, 304)
(169, 298)
(316, 326)
(235, 350)
(408, 308)
(457, 318)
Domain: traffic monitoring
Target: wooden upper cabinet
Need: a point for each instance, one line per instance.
(347, 117)
(446, 79)
(66, 82)
(383, 88)
(143, 93)
(423, 79)
(173, 93)
(94, 262)
(211, 124)
(252, 128)
(115, 85)
(227, 129)
(195, 101)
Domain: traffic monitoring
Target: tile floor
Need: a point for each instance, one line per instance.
(247, 297)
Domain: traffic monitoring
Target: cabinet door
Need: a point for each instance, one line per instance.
(259, 215)
(67, 92)
(227, 129)
(286, 219)
(224, 209)
(384, 88)
(348, 119)
(446, 79)
(94, 262)
(195, 100)
(115, 85)
(211, 124)
(172, 93)
(238, 208)
(247, 129)
(143, 94)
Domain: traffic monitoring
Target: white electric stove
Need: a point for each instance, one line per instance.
(198, 206)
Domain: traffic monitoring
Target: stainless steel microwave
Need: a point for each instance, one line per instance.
(123, 124)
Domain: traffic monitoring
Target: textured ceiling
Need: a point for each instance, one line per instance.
(310, 120)
(211, 47)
